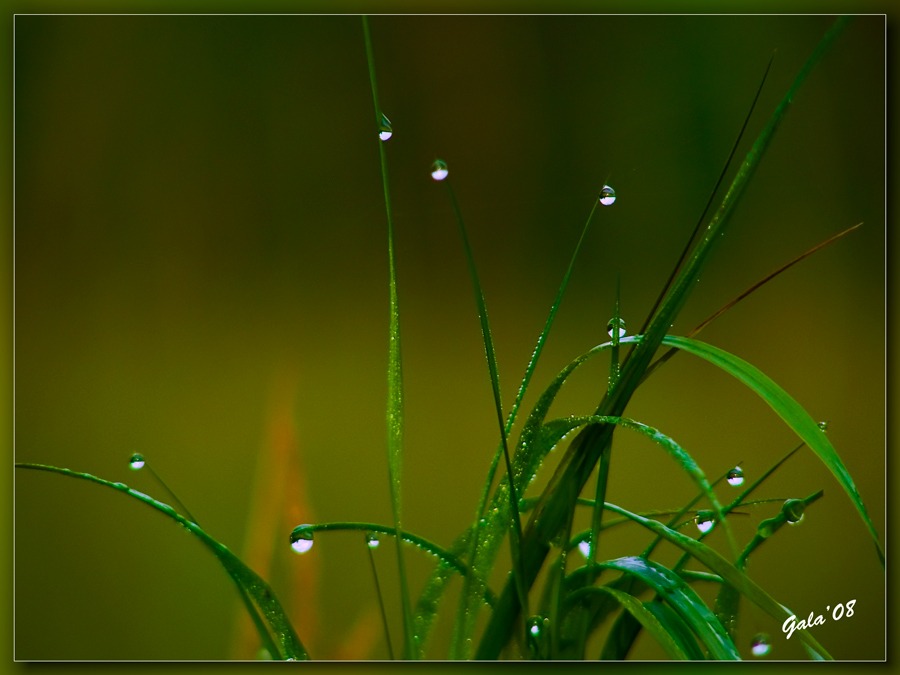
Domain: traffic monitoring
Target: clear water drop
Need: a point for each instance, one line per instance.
(705, 521)
(793, 511)
(760, 646)
(611, 325)
(439, 170)
(385, 131)
(585, 548)
(136, 461)
(372, 540)
(301, 539)
(607, 195)
(823, 426)
(766, 528)
(735, 476)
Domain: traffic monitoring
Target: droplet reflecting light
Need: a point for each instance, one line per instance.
(607, 195)
(760, 646)
(793, 511)
(823, 426)
(136, 461)
(372, 540)
(611, 325)
(301, 541)
(705, 521)
(585, 548)
(736, 476)
(384, 129)
(439, 170)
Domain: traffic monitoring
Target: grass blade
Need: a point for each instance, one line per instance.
(577, 465)
(476, 540)
(683, 600)
(395, 372)
(384, 621)
(648, 619)
(249, 583)
(789, 410)
(458, 647)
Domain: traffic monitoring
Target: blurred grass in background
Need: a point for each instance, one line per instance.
(198, 213)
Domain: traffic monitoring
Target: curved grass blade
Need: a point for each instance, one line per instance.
(421, 543)
(577, 466)
(395, 371)
(641, 613)
(789, 410)
(683, 600)
(249, 583)
(729, 573)
(515, 520)
(475, 541)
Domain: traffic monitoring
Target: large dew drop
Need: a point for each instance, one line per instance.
(735, 476)
(301, 541)
(760, 646)
(610, 326)
(607, 195)
(136, 461)
(705, 521)
(385, 131)
(439, 170)
(793, 511)
(372, 540)
(585, 548)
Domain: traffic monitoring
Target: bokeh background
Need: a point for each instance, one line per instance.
(201, 276)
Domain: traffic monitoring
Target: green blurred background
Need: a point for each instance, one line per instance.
(200, 226)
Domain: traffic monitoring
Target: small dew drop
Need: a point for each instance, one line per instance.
(439, 170)
(793, 511)
(823, 426)
(705, 521)
(384, 129)
(136, 461)
(372, 540)
(760, 646)
(611, 325)
(765, 529)
(736, 476)
(302, 541)
(585, 548)
(607, 195)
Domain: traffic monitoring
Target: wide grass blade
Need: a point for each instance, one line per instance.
(575, 469)
(789, 410)
(249, 583)
(395, 372)
(683, 600)
(643, 615)
(729, 573)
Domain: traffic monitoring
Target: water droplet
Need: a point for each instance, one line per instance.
(585, 548)
(760, 646)
(705, 521)
(766, 528)
(439, 170)
(301, 539)
(793, 511)
(137, 461)
(372, 540)
(607, 195)
(384, 129)
(823, 426)
(736, 476)
(611, 324)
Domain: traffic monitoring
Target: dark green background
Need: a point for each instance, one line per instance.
(199, 211)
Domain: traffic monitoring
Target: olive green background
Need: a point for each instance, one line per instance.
(199, 212)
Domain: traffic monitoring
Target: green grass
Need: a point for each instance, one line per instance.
(601, 596)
